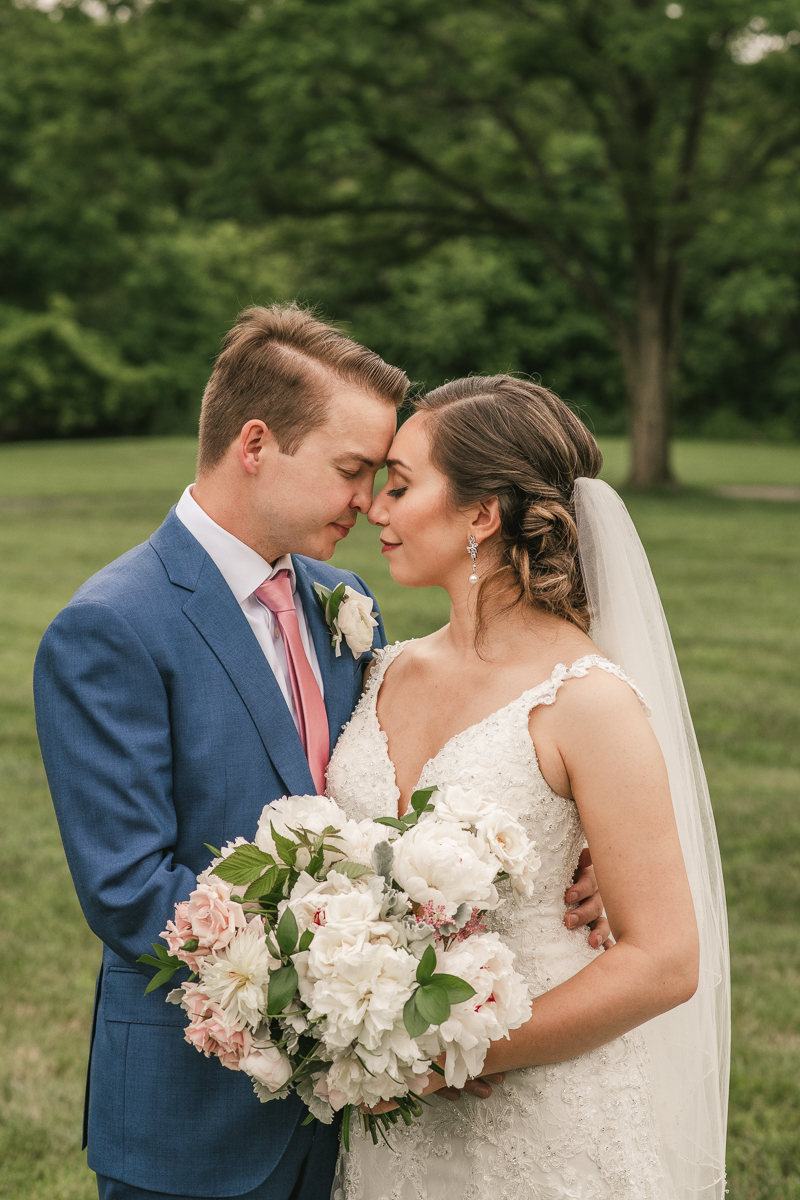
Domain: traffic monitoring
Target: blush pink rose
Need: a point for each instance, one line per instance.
(213, 917)
(211, 1034)
(178, 932)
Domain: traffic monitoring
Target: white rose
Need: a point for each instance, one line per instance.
(313, 813)
(440, 863)
(237, 977)
(462, 805)
(267, 1066)
(355, 622)
(508, 842)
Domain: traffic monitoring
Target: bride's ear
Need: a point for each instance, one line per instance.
(486, 521)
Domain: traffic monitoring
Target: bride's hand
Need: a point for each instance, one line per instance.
(480, 1087)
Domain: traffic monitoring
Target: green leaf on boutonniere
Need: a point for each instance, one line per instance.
(334, 604)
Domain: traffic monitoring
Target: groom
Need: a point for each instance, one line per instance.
(186, 685)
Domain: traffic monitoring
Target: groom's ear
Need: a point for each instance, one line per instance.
(255, 442)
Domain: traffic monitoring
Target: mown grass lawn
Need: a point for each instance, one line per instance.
(729, 573)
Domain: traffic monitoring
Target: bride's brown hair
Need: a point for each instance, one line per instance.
(500, 436)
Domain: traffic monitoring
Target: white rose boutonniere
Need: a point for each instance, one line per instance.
(349, 616)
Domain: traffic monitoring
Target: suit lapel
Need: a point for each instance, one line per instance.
(341, 677)
(215, 614)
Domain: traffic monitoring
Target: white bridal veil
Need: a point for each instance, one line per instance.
(690, 1046)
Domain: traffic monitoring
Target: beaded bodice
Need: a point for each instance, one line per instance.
(580, 1130)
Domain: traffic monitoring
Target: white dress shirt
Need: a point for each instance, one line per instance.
(243, 570)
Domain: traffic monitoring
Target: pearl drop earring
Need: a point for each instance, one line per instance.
(472, 550)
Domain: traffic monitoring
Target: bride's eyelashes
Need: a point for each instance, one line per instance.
(396, 493)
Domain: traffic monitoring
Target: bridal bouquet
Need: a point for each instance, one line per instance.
(342, 958)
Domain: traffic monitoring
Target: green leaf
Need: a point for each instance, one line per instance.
(419, 799)
(244, 865)
(282, 987)
(217, 853)
(306, 939)
(163, 976)
(323, 595)
(392, 821)
(286, 933)
(427, 965)
(150, 961)
(352, 870)
(287, 850)
(432, 1003)
(413, 1020)
(346, 1115)
(263, 885)
(335, 602)
(457, 989)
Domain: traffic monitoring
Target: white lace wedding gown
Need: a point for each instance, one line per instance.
(576, 1130)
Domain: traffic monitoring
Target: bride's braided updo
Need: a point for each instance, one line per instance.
(500, 436)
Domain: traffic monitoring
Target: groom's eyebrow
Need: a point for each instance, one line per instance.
(358, 458)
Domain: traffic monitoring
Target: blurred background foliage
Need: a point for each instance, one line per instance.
(165, 164)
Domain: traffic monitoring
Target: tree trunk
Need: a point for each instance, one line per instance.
(648, 354)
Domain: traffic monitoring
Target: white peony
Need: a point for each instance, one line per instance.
(371, 1078)
(361, 989)
(267, 1066)
(309, 897)
(313, 813)
(506, 840)
(354, 622)
(500, 1003)
(441, 863)
(359, 838)
(237, 978)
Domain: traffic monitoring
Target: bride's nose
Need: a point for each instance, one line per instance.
(377, 514)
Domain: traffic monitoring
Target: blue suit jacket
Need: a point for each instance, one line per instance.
(162, 727)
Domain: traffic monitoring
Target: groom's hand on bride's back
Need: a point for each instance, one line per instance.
(584, 892)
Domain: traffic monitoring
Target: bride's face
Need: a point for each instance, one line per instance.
(422, 535)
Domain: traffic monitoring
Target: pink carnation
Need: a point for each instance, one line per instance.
(211, 1034)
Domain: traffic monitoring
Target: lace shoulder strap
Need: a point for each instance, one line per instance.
(581, 668)
(380, 662)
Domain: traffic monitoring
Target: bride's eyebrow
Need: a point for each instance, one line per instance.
(398, 462)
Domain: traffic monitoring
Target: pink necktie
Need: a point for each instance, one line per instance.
(276, 595)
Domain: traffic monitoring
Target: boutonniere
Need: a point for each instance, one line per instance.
(348, 614)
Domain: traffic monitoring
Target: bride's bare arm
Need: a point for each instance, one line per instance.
(618, 779)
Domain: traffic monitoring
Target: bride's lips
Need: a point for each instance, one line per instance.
(387, 547)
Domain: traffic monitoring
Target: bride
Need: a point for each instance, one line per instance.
(531, 695)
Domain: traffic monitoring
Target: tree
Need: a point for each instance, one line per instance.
(603, 134)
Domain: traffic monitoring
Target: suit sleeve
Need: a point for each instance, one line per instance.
(379, 637)
(102, 714)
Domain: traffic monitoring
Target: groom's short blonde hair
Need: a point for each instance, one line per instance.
(278, 365)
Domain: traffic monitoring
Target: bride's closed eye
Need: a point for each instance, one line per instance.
(396, 493)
